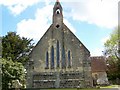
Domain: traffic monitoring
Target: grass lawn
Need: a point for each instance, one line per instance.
(111, 86)
(74, 89)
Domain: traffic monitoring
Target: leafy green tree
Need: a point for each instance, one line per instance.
(11, 71)
(15, 51)
(112, 55)
(111, 45)
(15, 47)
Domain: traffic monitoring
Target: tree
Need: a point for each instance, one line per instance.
(11, 71)
(15, 47)
(15, 52)
(112, 55)
(112, 45)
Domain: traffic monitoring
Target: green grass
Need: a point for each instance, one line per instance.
(73, 89)
(111, 86)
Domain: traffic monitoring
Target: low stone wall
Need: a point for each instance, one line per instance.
(58, 80)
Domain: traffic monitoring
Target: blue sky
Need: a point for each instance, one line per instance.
(91, 21)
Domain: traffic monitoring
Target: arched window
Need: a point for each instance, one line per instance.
(47, 60)
(63, 58)
(69, 59)
(58, 11)
(57, 51)
(52, 57)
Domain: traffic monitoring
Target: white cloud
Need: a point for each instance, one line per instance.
(97, 52)
(18, 6)
(103, 13)
(103, 40)
(35, 28)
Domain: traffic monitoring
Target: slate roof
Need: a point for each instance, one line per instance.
(98, 64)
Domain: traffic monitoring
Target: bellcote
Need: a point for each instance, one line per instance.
(57, 14)
(57, 7)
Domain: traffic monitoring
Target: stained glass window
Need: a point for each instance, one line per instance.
(58, 57)
(63, 58)
(69, 59)
(47, 60)
(52, 57)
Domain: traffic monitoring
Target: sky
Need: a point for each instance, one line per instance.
(92, 21)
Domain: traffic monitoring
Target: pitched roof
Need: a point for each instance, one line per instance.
(98, 64)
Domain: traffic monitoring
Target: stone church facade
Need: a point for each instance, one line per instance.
(59, 59)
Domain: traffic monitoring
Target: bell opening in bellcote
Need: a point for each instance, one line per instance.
(58, 11)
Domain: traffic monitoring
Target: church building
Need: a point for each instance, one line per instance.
(59, 59)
